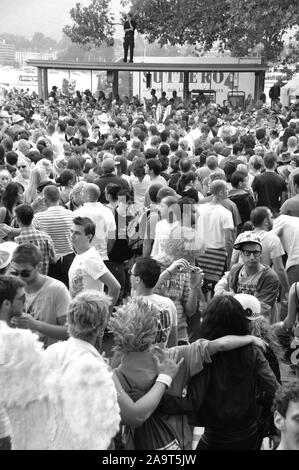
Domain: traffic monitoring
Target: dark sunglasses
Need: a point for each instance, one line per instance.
(23, 273)
(22, 166)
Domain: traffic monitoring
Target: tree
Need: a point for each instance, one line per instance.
(237, 25)
(240, 26)
(92, 25)
(42, 42)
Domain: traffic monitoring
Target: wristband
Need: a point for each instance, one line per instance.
(164, 379)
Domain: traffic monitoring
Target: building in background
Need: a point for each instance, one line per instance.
(21, 57)
(7, 53)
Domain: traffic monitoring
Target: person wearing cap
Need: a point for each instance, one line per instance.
(261, 328)
(251, 276)
(223, 396)
(108, 168)
(12, 301)
(272, 250)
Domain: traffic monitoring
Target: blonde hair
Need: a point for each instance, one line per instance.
(88, 314)
(134, 325)
(37, 176)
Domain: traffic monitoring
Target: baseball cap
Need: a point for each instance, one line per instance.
(247, 237)
(251, 306)
(6, 251)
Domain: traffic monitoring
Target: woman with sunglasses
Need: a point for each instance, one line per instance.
(23, 173)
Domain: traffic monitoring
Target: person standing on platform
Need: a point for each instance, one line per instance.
(129, 29)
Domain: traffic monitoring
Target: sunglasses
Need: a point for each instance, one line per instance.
(23, 273)
(22, 166)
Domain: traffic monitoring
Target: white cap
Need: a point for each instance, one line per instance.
(251, 306)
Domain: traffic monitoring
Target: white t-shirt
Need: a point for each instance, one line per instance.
(85, 271)
(104, 221)
(213, 220)
(271, 246)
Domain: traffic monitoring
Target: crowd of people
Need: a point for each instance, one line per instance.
(149, 272)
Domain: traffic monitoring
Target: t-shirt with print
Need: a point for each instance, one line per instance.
(48, 304)
(178, 288)
(168, 317)
(85, 271)
(247, 284)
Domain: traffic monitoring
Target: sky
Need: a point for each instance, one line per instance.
(25, 17)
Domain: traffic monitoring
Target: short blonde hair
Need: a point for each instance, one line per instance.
(88, 314)
(134, 325)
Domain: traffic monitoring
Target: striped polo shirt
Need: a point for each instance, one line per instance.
(56, 221)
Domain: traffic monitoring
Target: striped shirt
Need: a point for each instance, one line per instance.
(43, 241)
(56, 221)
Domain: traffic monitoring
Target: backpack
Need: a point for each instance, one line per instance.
(136, 231)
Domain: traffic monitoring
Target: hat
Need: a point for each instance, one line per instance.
(247, 237)
(4, 114)
(108, 164)
(6, 252)
(251, 306)
(17, 118)
(103, 117)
